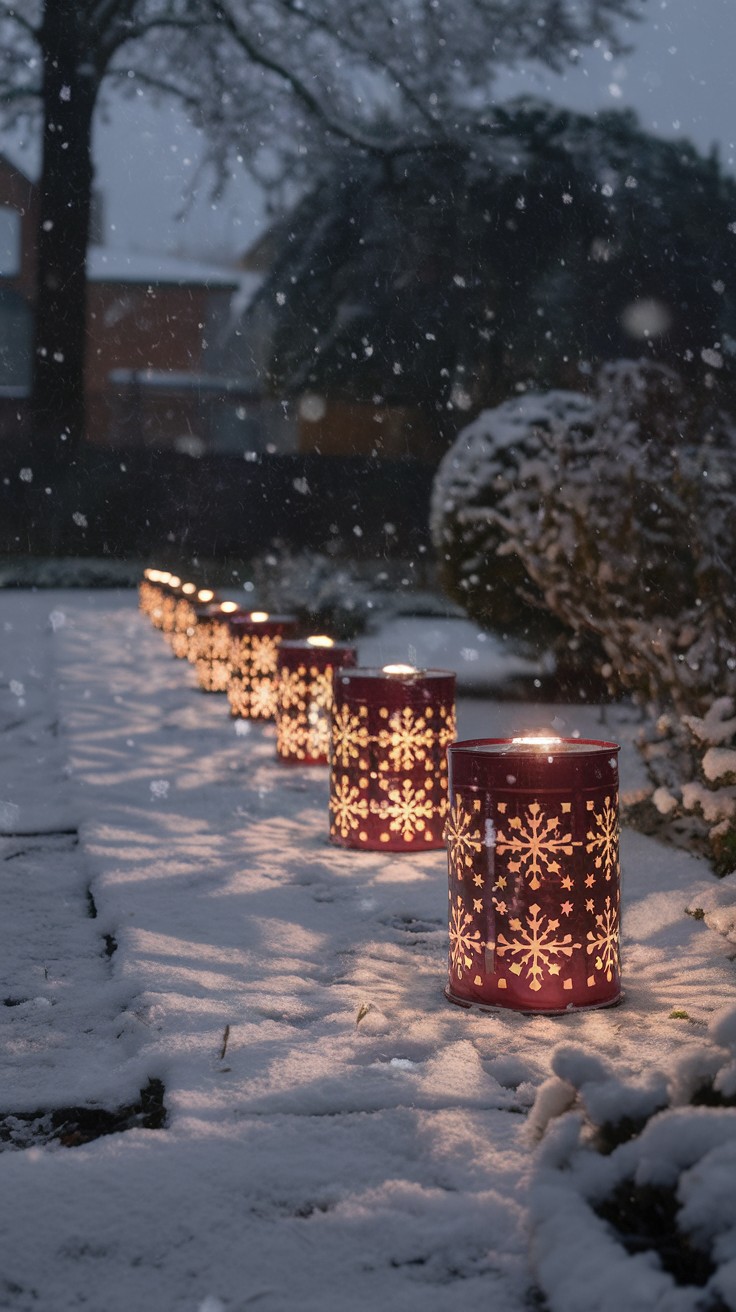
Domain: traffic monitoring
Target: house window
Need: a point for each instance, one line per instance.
(16, 341)
(9, 242)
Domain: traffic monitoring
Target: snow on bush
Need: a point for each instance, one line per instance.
(627, 532)
(616, 512)
(632, 1198)
(502, 450)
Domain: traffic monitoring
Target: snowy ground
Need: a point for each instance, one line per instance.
(337, 1134)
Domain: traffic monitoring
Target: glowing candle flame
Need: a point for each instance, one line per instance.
(162, 576)
(174, 581)
(258, 616)
(205, 594)
(320, 640)
(538, 741)
(399, 669)
(188, 588)
(228, 607)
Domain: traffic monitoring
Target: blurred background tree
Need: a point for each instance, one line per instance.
(523, 258)
(280, 82)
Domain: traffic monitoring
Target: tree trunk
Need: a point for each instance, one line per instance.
(69, 92)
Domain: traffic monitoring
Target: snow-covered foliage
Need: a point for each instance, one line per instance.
(336, 1133)
(626, 528)
(501, 451)
(632, 1201)
(616, 511)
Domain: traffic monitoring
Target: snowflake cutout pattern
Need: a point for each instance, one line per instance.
(240, 655)
(407, 809)
(604, 839)
(349, 736)
(536, 947)
(536, 844)
(462, 838)
(292, 689)
(464, 940)
(320, 687)
(407, 739)
(319, 731)
(212, 675)
(264, 654)
(238, 695)
(292, 737)
(605, 941)
(263, 699)
(348, 807)
(447, 731)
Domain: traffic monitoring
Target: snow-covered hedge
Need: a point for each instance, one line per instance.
(616, 511)
(632, 1199)
(502, 451)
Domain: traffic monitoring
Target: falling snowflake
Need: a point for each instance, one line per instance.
(605, 941)
(536, 844)
(604, 839)
(462, 838)
(536, 947)
(464, 940)
(348, 807)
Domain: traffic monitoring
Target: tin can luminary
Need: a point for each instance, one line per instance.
(304, 697)
(210, 644)
(255, 638)
(156, 613)
(150, 589)
(185, 617)
(173, 599)
(169, 599)
(388, 768)
(534, 877)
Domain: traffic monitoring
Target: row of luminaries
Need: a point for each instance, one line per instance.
(385, 732)
(530, 824)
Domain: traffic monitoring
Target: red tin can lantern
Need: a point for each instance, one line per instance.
(255, 638)
(388, 766)
(304, 697)
(169, 602)
(185, 617)
(534, 876)
(176, 615)
(166, 582)
(150, 589)
(210, 644)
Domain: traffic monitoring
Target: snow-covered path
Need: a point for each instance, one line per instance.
(337, 1134)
